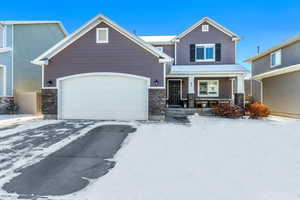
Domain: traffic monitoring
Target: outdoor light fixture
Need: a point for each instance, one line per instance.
(49, 83)
(156, 82)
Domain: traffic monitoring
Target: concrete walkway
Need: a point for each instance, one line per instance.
(62, 172)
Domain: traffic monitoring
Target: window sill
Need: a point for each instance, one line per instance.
(205, 61)
(208, 96)
(5, 49)
(275, 66)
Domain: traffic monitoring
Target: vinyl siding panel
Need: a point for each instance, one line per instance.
(212, 37)
(168, 49)
(30, 41)
(282, 94)
(120, 55)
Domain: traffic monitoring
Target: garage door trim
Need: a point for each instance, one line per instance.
(59, 80)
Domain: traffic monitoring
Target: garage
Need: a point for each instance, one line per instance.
(103, 96)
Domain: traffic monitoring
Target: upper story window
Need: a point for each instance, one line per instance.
(102, 35)
(205, 28)
(2, 36)
(205, 52)
(276, 58)
(160, 49)
(208, 88)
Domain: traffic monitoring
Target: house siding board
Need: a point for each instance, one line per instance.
(225, 90)
(282, 94)
(120, 55)
(212, 37)
(289, 56)
(6, 60)
(39, 38)
(168, 49)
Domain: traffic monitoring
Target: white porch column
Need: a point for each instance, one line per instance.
(191, 85)
(240, 84)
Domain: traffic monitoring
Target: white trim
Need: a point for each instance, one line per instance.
(232, 89)
(89, 26)
(160, 48)
(106, 35)
(59, 80)
(205, 46)
(276, 53)
(285, 70)
(4, 81)
(208, 95)
(180, 80)
(206, 74)
(211, 22)
(175, 51)
(12, 58)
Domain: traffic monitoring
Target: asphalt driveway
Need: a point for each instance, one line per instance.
(68, 169)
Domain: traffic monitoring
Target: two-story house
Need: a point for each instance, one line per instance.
(278, 71)
(20, 42)
(102, 71)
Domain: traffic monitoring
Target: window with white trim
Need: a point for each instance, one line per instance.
(205, 52)
(208, 88)
(276, 58)
(2, 37)
(205, 28)
(160, 49)
(102, 35)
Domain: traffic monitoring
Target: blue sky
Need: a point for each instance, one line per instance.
(259, 22)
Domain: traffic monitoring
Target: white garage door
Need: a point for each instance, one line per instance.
(103, 96)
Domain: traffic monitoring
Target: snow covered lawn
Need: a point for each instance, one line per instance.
(213, 159)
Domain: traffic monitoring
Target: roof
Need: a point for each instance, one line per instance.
(277, 47)
(213, 23)
(277, 72)
(187, 69)
(35, 22)
(161, 39)
(42, 59)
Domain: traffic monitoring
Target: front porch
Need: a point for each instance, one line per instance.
(204, 89)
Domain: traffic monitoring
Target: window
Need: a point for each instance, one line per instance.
(208, 88)
(276, 58)
(160, 49)
(205, 28)
(102, 35)
(205, 52)
(2, 37)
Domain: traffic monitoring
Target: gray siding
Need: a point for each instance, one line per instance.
(29, 42)
(290, 55)
(198, 37)
(120, 55)
(282, 94)
(168, 49)
(225, 90)
(256, 91)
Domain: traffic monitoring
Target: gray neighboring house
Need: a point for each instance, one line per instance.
(102, 71)
(20, 42)
(278, 71)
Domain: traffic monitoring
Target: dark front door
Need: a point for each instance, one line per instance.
(174, 92)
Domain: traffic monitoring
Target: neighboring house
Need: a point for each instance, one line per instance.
(102, 71)
(278, 71)
(20, 42)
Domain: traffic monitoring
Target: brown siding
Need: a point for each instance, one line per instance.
(224, 88)
(168, 49)
(212, 37)
(120, 55)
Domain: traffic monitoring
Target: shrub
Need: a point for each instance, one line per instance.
(258, 110)
(228, 110)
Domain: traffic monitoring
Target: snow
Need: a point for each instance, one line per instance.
(207, 68)
(211, 159)
(6, 119)
(160, 38)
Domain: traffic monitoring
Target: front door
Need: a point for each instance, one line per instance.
(174, 92)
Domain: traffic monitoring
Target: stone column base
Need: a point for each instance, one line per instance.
(191, 100)
(157, 104)
(49, 103)
(239, 99)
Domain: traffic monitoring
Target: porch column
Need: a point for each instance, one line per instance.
(239, 96)
(191, 92)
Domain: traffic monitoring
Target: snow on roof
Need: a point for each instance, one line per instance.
(158, 39)
(181, 69)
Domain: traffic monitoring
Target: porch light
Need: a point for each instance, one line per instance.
(49, 83)
(156, 82)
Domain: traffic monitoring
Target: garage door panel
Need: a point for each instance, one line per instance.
(104, 97)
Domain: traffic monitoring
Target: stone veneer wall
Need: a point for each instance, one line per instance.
(5, 102)
(157, 104)
(49, 103)
(239, 99)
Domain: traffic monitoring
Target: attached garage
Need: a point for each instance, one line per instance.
(103, 96)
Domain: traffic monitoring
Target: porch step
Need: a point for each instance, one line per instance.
(184, 112)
